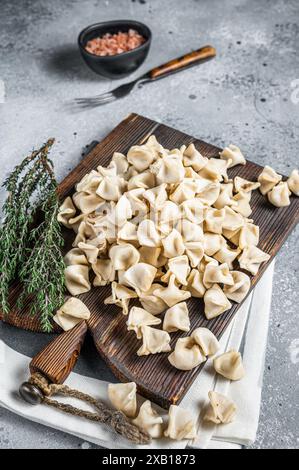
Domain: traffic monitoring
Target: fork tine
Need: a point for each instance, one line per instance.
(96, 102)
(92, 98)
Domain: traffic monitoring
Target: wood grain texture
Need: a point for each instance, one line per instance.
(58, 358)
(155, 377)
(193, 58)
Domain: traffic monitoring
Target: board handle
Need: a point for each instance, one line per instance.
(193, 58)
(55, 362)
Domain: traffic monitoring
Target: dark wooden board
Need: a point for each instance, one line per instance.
(155, 377)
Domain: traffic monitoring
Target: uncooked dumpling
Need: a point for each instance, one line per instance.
(124, 256)
(147, 234)
(151, 302)
(141, 157)
(152, 255)
(268, 179)
(123, 398)
(216, 302)
(143, 180)
(66, 212)
(169, 169)
(244, 185)
(207, 191)
(279, 196)
(89, 183)
(249, 235)
(154, 341)
(195, 284)
(179, 266)
(221, 410)
(120, 296)
(76, 279)
(156, 196)
(184, 191)
(138, 205)
(72, 312)
(128, 233)
(139, 317)
(149, 420)
(111, 188)
(233, 153)
(214, 220)
(87, 203)
(91, 252)
(232, 220)
(227, 255)
(177, 318)
(193, 210)
(104, 271)
(205, 339)
(190, 231)
(193, 158)
(251, 259)
(293, 182)
(171, 294)
(75, 256)
(225, 197)
(140, 276)
(121, 163)
(241, 286)
(186, 355)
(173, 244)
(217, 274)
(229, 365)
(181, 424)
(242, 205)
(215, 170)
(212, 243)
(195, 252)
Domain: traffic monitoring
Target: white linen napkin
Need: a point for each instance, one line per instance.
(247, 333)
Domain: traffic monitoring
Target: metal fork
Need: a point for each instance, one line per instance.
(193, 58)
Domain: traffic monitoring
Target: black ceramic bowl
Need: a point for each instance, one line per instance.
(119, 65)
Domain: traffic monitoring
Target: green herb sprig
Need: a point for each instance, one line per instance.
(32, 254)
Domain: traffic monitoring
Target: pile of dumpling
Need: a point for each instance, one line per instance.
(161, 226)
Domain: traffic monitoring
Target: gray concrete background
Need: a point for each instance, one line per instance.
(248, 96)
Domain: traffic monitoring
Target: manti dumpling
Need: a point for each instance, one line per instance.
(232, 220)
(169, 169)
(171, 294)
(212, 243)
(89, 183)
(149, 420)
(156, 196)
(195, 284)
(227, 255)
(181, 425)
(187, 354)
(225, 197)
(91, 251)
(151, 302)
(87, 203)
(279, 196)
(184, 191)
(75, 256)
(242, 203)
(72, 312)
(215, 302)
(123, 398)
(215, 170)
(268, 179)
(140, 276)
(234, 154)
(249, 235)
(293, 182)
(241, 286)
(178, 266)
(77, 279)
(173, 244)
(142, 156)
(104, 272)
(207, 191)
(221, 410)
(120, 296)
(206, 340)
(217, 274)
(241, 184)
(193, 158)
(214, 219)
(177, 318)
(229, 365)
(124, 256)
(135, 198)
(251, 259)
(154, 341)
(139, 317)
(148, 235)
(66, 212)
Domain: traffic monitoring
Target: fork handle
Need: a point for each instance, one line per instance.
(186, 61)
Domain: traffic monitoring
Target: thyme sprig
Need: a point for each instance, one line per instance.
(32, 254)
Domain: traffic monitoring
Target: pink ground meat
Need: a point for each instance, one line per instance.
(112, 44)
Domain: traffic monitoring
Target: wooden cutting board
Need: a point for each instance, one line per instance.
(155, 377)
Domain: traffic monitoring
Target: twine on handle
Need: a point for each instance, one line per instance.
(116, 420)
